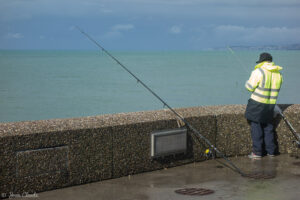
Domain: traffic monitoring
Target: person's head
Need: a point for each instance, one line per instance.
(265, 57)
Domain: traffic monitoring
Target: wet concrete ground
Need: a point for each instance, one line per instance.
(227, 184)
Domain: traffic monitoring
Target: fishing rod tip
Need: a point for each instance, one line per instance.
(78, 28)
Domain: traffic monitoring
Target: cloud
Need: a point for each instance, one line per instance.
(122, 27)
(117, 31)
(218, 22)
(14, 36)
(21, 9)
(213, 2)
(175, 30)
(13, 10)
(257, 35)
(112, 35)
(272, 11)
(277, 35)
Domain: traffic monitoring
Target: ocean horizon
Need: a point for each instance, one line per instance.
(47, 84)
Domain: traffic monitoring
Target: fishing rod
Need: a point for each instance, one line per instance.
(292, 129)
(277, 109)
(164, 103)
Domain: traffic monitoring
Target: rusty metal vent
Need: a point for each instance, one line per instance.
(259, 175)
(194, 191)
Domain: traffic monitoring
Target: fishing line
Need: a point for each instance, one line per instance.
(238, 59)
(236, 169)
(241, 63)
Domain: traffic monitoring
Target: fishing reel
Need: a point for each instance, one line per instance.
(297, 142)
(209, 154)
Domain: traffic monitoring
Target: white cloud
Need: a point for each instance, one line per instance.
(230, 29)
(214, 2)
(117, 31)
(112, 35)
(106, 11)
(175, 29)
(11, 10)
(257, 35)
(14, 36)
(122, 27)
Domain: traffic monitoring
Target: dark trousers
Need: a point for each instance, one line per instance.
(263, 138)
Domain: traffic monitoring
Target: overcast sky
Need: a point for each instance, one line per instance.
(148, 24)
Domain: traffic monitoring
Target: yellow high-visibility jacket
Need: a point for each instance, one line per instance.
(265, 82)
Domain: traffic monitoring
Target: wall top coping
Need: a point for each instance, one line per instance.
(107, 120)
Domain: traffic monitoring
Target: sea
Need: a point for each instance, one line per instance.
(47, 84)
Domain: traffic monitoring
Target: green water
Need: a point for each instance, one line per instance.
(38, 85)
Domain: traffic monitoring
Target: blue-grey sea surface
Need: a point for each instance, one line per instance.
(37, 85)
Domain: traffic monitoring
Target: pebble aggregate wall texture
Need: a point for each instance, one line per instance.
(233, 131)
(43, 155)
(132, 142)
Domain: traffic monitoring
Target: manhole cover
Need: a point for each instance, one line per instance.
(194, 191)
(297, 163)
(259, 176)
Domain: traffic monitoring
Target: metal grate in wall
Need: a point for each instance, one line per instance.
(168, 142)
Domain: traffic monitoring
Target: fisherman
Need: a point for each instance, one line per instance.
(264, 83)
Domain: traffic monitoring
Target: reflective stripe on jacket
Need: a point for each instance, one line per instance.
(265, 82)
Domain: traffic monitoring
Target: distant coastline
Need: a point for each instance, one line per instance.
(268, 47)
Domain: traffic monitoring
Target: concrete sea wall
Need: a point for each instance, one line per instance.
(43, 155)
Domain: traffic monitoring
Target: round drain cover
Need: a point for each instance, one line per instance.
(194, 191)
(258, 175)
